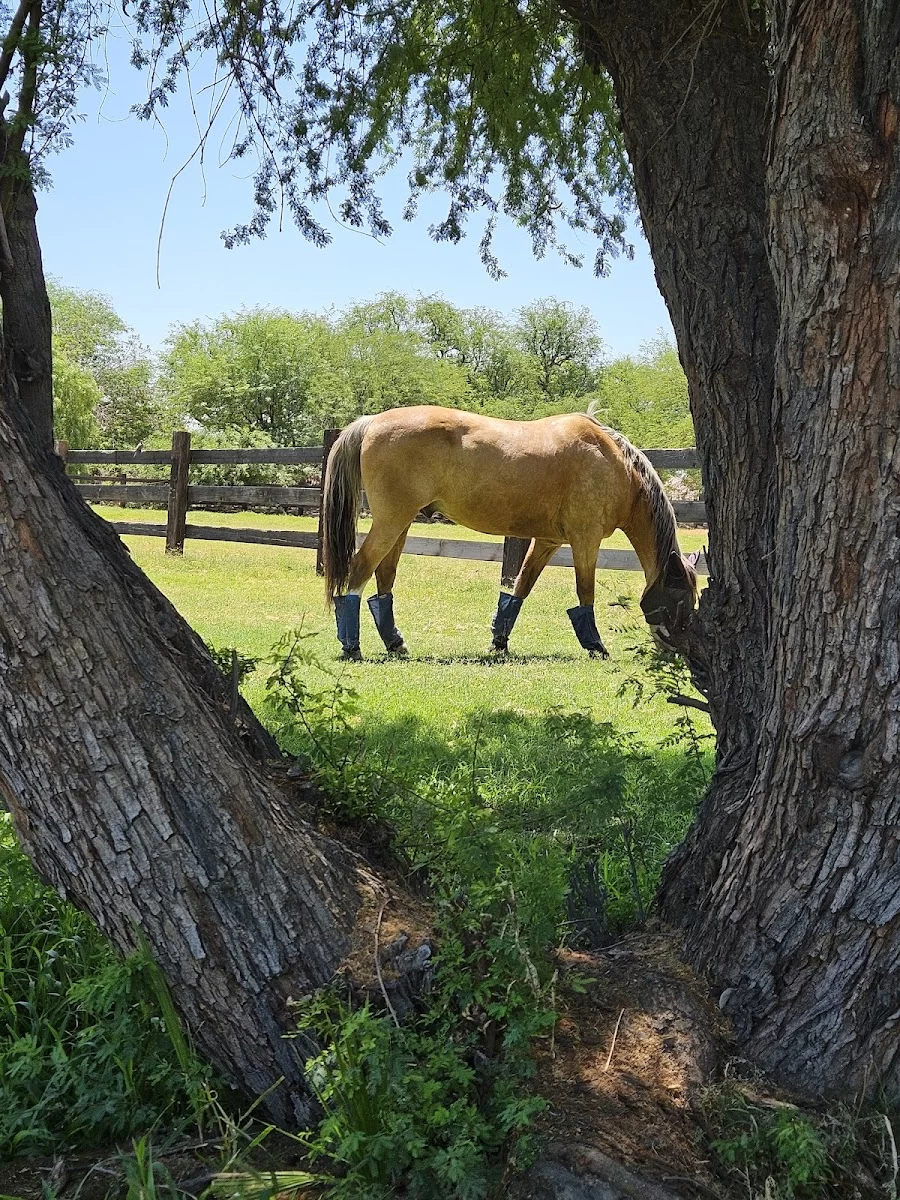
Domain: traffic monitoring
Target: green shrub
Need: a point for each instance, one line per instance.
(86, 1052)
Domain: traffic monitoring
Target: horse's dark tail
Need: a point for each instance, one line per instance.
(342, 495)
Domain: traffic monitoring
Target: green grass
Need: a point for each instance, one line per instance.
(531, 785)
(84, 1053)
(246, 596)
(544, 738)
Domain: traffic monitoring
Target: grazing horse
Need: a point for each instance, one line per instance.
(558, 480)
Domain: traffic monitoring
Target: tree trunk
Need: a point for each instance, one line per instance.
(691, 85)
(801, 925)
(27, 322)
(131, 789)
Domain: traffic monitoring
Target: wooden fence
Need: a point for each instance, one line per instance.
(178, 495)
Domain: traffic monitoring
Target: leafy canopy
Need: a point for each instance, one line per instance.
(102, 376)
(488, 102)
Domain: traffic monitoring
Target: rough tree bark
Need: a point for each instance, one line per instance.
(27, 327)
(691, 86)
(27, 322)
(136, 795)
(801, 925)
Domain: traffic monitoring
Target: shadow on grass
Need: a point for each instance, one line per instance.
(485, 659)
(499, 792)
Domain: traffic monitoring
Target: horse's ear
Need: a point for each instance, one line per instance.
(674, 568)
(693, 558)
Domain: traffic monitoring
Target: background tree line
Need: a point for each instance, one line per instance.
(269, 377)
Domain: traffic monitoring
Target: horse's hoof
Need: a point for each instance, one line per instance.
(351, 655)
(499, 646)
(398, 651)
(598, 652)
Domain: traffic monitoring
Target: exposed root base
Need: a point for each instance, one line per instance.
(625, 1068)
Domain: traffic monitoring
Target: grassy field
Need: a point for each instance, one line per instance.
(533, 795)
(552, 742)
(247, 596)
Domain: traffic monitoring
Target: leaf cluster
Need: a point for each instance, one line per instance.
(489, 103)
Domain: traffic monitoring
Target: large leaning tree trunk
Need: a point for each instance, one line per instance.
(691, 86)
(143, 796)
(801, 926)
(27, 324)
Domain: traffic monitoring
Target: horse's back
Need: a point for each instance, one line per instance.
(424, 423)
(526, 478)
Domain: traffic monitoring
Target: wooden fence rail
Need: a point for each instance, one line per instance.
(179, 495)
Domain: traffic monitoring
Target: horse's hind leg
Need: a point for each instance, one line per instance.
(381, 605)
(582, 616)
(508, 607)
(378, 543)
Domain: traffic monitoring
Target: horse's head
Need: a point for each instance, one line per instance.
(668, 602)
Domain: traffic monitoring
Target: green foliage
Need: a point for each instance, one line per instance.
(439, 1103)
(76, 398)
(284, 378)
(563, 344)
(263, 370)
(263, 378)
(417, 1104)
(313, 702)
(98, 358)
(491, 103)
(523, 802)
(380, 366)
(146, 1177)
(646, 397)
(288, 376)
(499, 819)
(225, 658)
(778, 1151)
(86, 1053)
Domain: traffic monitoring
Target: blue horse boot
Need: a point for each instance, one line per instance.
(382, 609)
(508, 608)
(346, 611)
(582, 618)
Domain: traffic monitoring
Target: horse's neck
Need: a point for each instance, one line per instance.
(641, 532)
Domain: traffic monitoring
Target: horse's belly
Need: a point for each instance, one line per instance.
(527, 522)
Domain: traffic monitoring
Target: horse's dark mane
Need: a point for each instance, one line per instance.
(661, 512)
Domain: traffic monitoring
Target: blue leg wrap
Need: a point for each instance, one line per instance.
(382, 609)
(582, 618)
(346, 611)
(508, 608)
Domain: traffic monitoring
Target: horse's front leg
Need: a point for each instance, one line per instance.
(509, 606)
(582, 616)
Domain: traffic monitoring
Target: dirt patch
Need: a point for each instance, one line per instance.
(638, 1037)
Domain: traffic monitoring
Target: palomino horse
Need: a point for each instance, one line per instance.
(558, 480)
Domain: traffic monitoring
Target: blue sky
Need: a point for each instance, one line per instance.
(100, 222)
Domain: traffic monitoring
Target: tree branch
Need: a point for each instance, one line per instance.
(12, 39)
(30, 56)
(688, 702)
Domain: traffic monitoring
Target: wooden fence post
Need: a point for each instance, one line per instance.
(514, 551)
(178, 492)
(329, 437)
(61, 449)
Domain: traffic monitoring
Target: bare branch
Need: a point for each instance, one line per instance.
(688, 702)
